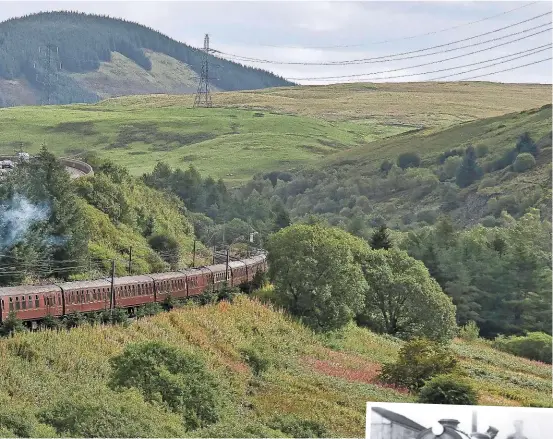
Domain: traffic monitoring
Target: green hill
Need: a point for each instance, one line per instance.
(365, 184)
(101, 56)
(279, 129)
(304, 380)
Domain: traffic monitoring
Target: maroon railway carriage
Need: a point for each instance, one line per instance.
(131, 291)
(86, 296)
(218, 276)
(255, 264)
(199, 280)
(31, 302)
(238, 273)
(170, 284)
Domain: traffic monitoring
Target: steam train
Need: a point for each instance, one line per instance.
(33, 303)
(448, 429)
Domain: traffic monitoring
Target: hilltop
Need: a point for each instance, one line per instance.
(296, 378)
(280, 129)
(95, 57)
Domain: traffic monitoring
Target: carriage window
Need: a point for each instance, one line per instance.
(23, 303)
(30, 301)
(11, 304)
(2, 304)
(17, 303)
(37, 302)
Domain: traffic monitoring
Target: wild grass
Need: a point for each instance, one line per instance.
(229, 143)
(323, 378)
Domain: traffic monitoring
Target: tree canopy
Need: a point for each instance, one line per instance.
(402, 299)
(316, 273)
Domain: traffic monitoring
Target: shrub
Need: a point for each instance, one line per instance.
(419, 360)
(490, 221)
(258, 359)
(525, 144)
(11, 325)
(296, 427)
(386, 165)
(51, 322)
(505, 160)
(163, 373)
(408, 160)
(428, 216)
(17, 420)
(74, 319)
(111, 415)
(534, 345)
(451, 153)
(448, 389)
(167, 246)
(149, 309)
(481, 151)
(524, 162)
(470, 331)
(451, 165)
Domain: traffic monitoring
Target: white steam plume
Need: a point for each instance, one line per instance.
(16, 217)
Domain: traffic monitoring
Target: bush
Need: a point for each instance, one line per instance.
(459, 152)
(428, 216)
(386, 165)
(165, 374)
(111, 415)
(505, 160)
(74, 319)
(12, 325)
(257, 359)
(524, 162)
(168, 248)
(408, 160)
(535, 346)
(17, 420)
(448, 389)
(419, 360)
(470, 331)
(296, 427)
(451, 165)
(481, 151)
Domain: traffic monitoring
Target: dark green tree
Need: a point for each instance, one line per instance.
(525, 143)
(381, 239)
(468, 171)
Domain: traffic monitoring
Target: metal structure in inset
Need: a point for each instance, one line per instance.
(203, 95)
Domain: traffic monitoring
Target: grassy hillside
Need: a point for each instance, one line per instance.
(229, 143)
(92, 44)
(428, 104)
(418, 195)
(277, 129)
(327, 379)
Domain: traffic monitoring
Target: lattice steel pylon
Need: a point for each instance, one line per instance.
(203, 96)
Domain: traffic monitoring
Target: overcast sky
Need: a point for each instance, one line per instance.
(308, 31)
(538, 422)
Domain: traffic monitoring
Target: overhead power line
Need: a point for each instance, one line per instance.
(493, 73)
(402, 38)
(385, 58)
(528, 52)
(412, 67)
